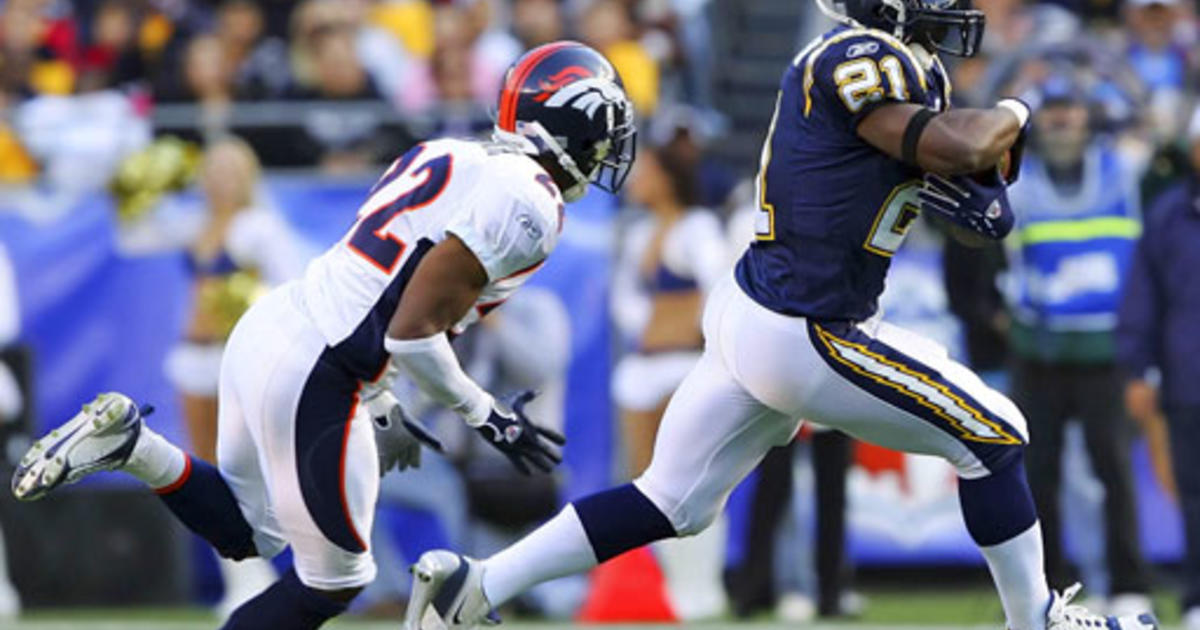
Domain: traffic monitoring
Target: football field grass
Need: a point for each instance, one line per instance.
(125, 624)
(957, 609)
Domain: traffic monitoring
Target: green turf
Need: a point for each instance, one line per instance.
(892, 609)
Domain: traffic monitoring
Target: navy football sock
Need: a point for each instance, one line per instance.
(999, 507)
(204, 503)
(621, 519)
(288, 604)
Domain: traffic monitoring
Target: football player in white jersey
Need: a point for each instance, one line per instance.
(307, 422)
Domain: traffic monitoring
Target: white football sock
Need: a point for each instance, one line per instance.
(155, 461)
(559, 547)
(1017, 569)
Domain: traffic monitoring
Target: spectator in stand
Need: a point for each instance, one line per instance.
(38, 50)
(321, 29)
(1159, 350)
(493, 48)
(331, 66)
(255, 61)
(112, 58)
(326, 67)
(1160, 42)
(459, 114)
(381, 52)
(206, 71)
(1078, 208)
(608, 26)
(536, 22)
(1161, 52)
(465, 44)
(208, 81)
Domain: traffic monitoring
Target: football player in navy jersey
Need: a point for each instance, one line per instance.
(861, 144)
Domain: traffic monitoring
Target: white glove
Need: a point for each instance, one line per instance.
(398, 438)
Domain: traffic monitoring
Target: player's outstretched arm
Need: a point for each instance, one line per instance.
(446, 284)
(956, 142)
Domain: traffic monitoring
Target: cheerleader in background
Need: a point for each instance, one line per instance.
(244, 248)
(671, 257)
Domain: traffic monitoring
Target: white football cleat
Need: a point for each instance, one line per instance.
(447, 594)
(1063, 615)
(100, 437)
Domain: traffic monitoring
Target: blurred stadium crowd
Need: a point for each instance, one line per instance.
(140, 99)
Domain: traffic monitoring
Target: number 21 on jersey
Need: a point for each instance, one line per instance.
(425, 181)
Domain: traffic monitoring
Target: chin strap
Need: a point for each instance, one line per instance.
(532, 139)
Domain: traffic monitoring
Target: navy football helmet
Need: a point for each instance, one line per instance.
(950, 26)
(564, 100)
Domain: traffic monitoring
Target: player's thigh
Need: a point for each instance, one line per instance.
(712, 435)
(894, 388)
(323, 475)
(240, 456)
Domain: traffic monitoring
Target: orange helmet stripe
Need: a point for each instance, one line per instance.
(512, 87)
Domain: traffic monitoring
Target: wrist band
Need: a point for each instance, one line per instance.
(912, 135)
(1017, 107)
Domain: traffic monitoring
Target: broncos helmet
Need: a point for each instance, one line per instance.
(565, 100)
(950, 26)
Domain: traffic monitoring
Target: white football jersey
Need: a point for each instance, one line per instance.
(501, 204)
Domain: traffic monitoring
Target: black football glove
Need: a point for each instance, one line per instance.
(1017, 151)
(978, 203)
(522, 442)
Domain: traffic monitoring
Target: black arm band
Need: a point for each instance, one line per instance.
(912, 135)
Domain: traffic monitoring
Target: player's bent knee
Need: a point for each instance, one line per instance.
(334, 571)
(688, 515)
(699, 521)
(986, 461)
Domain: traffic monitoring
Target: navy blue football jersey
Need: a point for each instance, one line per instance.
(833, 208)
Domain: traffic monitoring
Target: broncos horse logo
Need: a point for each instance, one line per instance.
(559, 79)
(588, 96)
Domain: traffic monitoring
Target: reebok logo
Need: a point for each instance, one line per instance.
(862, 48)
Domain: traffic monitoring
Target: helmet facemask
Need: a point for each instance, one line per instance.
(955, 28)
(613, 156)
(949, 26)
